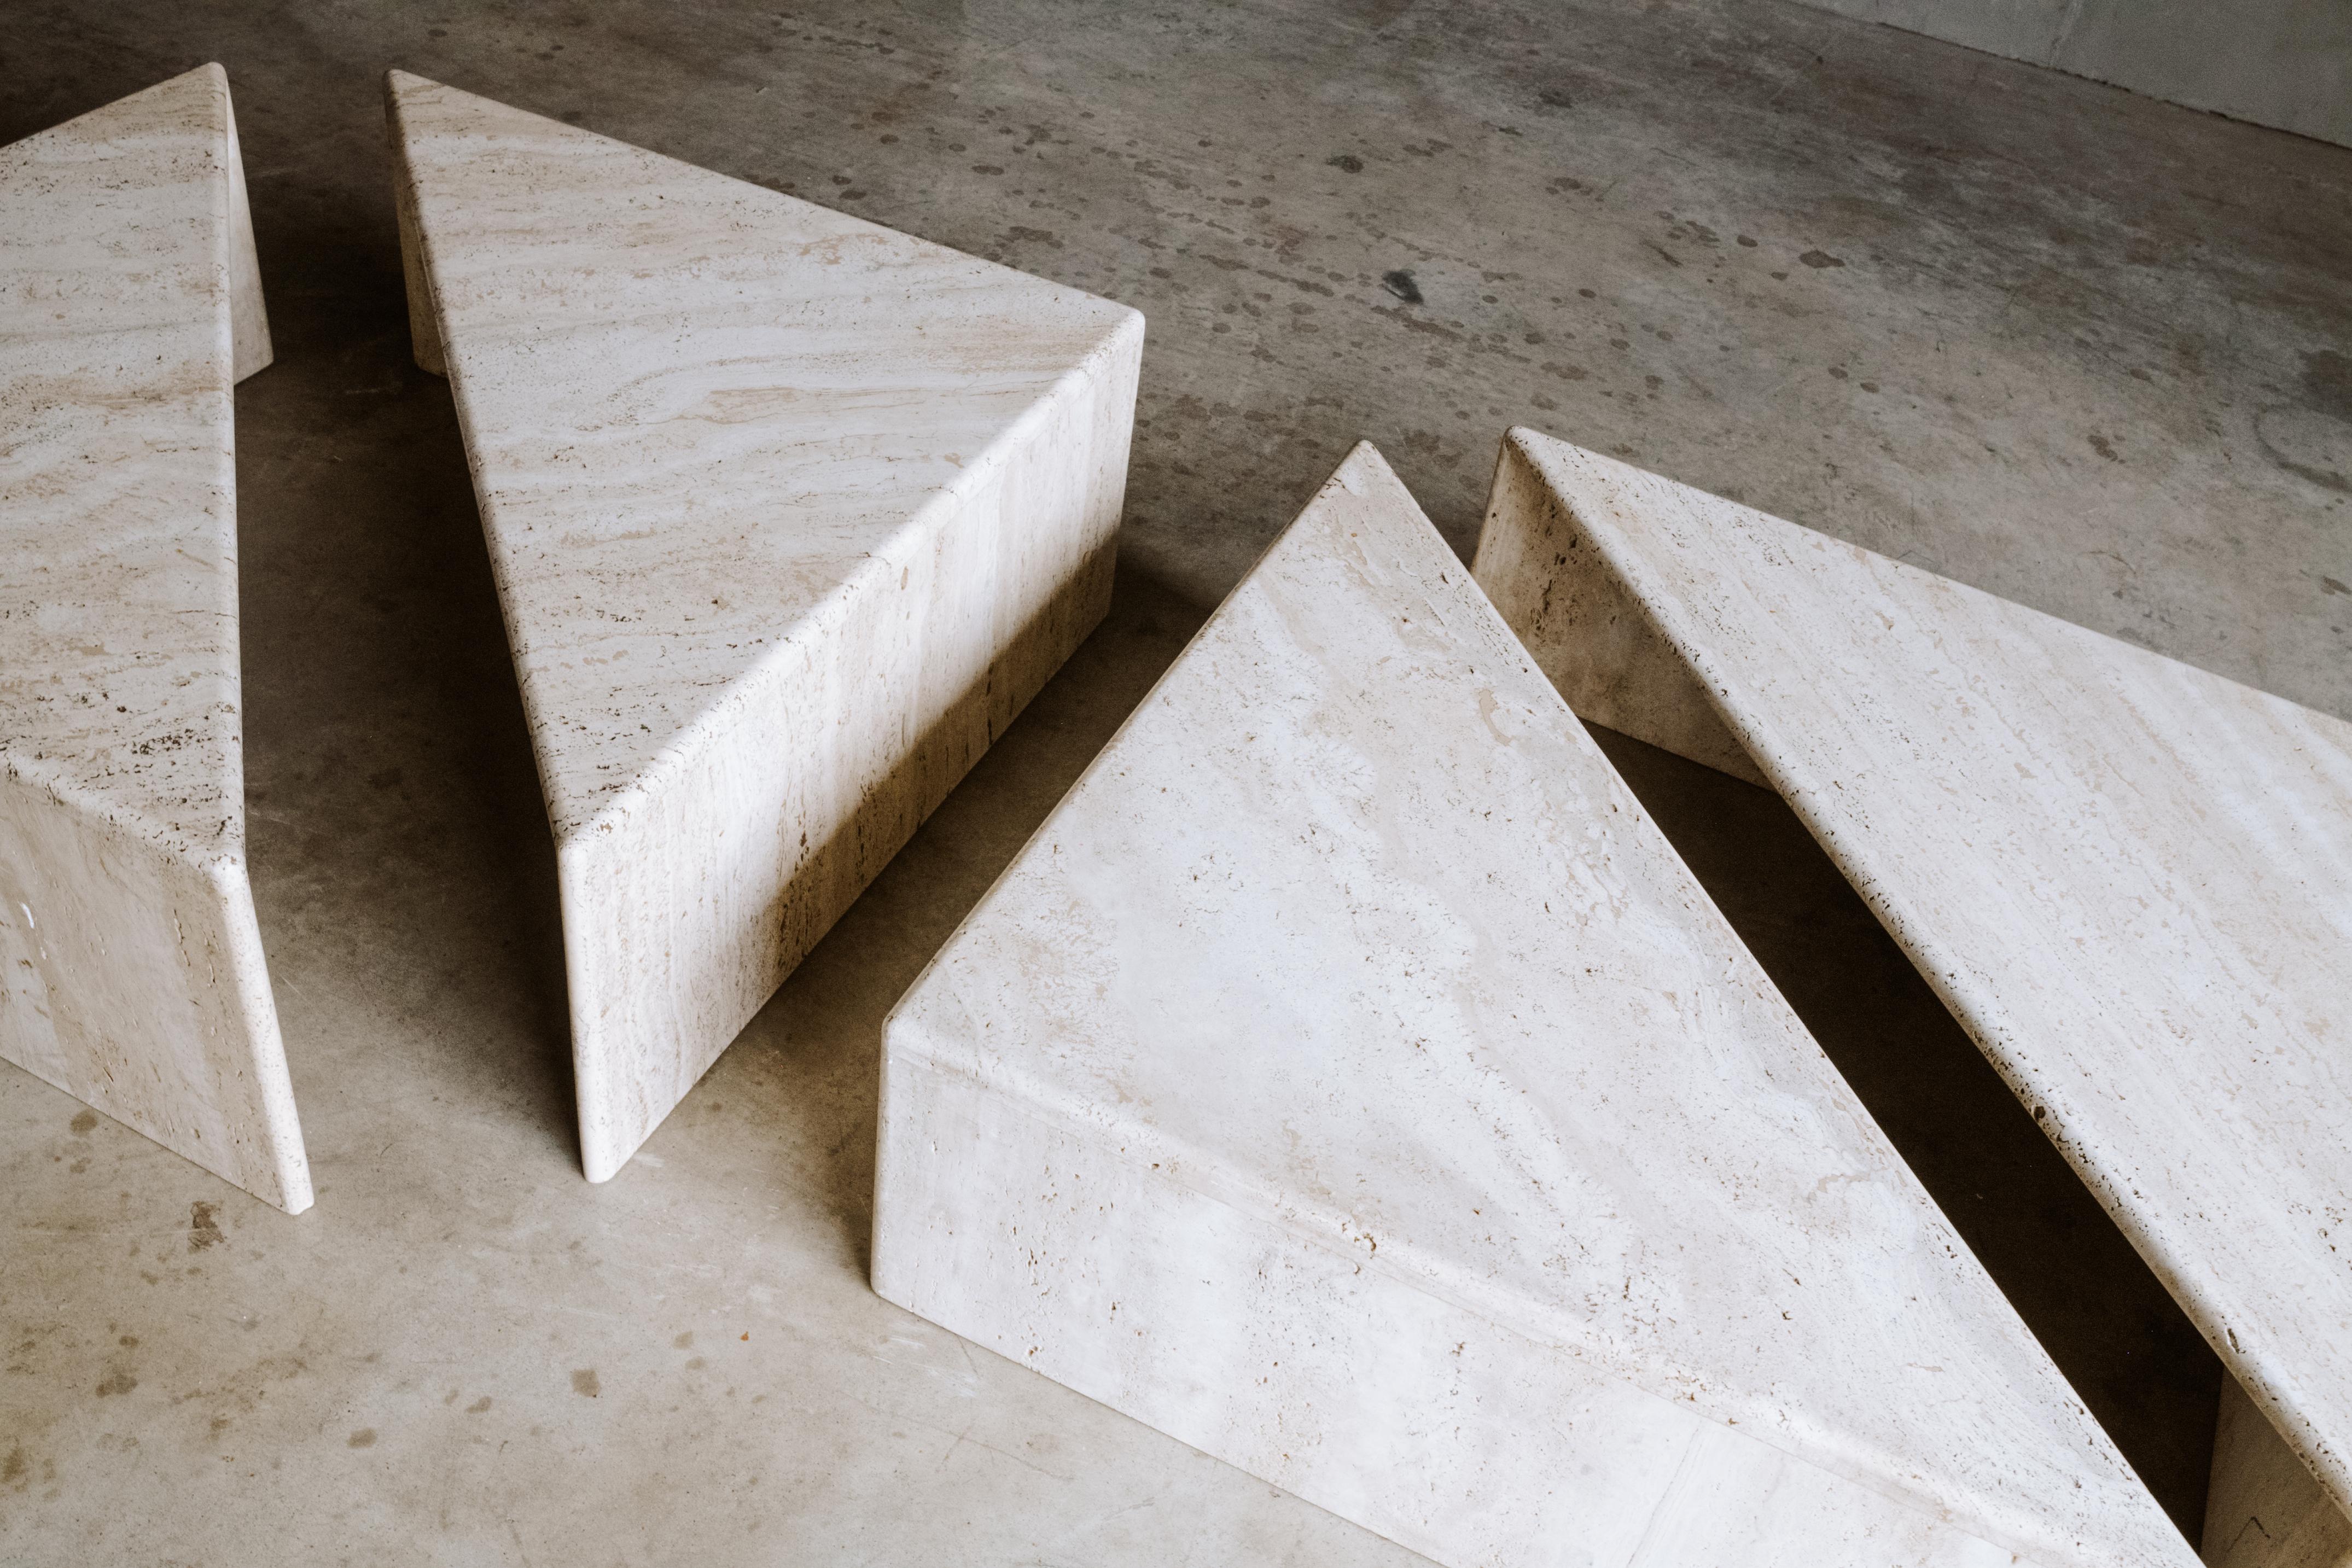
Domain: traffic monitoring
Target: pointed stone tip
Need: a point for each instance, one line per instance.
(1365, 472)
(398, 82)
(1129, 321)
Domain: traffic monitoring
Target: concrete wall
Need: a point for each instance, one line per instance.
(2286, 63)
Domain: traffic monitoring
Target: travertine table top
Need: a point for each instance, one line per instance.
(117, 516)
(1353, 929)
(2131, 880)
(132, 972)
(788, 515)
(696, 409)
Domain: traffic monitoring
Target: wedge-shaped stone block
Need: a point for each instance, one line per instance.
(789, 514)
(2130, 879)
(131, 966)
(1350, 1081)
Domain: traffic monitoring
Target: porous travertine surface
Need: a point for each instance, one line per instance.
(789, 514)
(1350, 1080)
(131, 966)
(2130, 879)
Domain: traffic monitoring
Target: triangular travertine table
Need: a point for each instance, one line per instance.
(788, 514)
(131, 973)
(2130, 878)
(1349, 1079)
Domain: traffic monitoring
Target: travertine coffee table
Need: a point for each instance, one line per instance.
(131, 966)
(1350, 1081)
(789, 514)
(2130, 878)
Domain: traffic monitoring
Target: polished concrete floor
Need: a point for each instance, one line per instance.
(2082, 348)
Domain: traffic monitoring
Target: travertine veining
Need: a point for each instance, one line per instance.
(1350, 1080)
(2131, 880)
(789, 514)
(129, 304)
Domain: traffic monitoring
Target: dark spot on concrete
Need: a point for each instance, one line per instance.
(2327, 382)
(684, 1341)
(1552, 97)
(479, 1406)
(987, 169)
(1347, 162)
(1743, 239)
(128, 1341)
(1837, 373)
(1672, 259)
(1870, 386)
(362, 1438)
(2330, 585)
(117, 1383)
(1818, 259)
(83, 1123)
(696, 1364)
(2104, 448)
(1401, 283)
(583, 1382)
(203, 1231)
(2310, 443)
(13, 1467)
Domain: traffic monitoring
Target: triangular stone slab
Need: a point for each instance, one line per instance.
(2130, 878)
(1349, 1079)
(788, 514)
(131, 966)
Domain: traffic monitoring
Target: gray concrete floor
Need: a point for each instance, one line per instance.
(2084, 350)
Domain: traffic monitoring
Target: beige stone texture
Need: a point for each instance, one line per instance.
(789, 514)
(1350, 1080)
(2130, 879)
(131, 973)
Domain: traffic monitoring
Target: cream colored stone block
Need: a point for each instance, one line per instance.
(131, 966)
(1349, 1079)
(788, 514)
(2130, 879)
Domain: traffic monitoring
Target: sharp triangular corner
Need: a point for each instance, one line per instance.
(1348, 1049)
(136, 981)
(748, 467)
